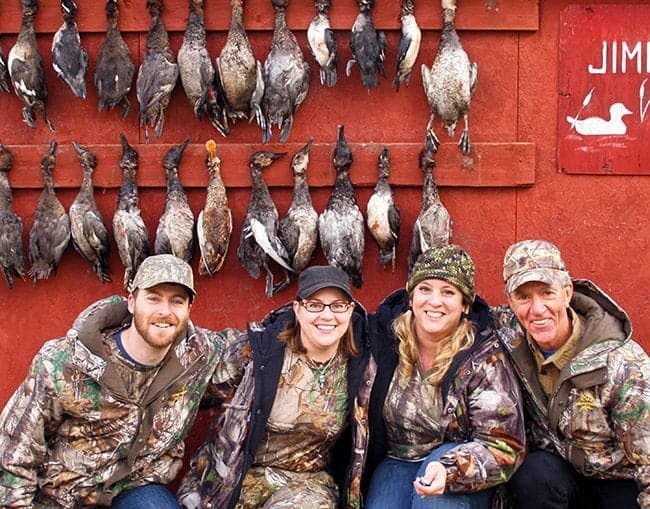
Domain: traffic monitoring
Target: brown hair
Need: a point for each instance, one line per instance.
(404, 329)
(290, 336)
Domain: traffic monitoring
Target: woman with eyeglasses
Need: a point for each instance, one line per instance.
(287, 432)
(446, 424)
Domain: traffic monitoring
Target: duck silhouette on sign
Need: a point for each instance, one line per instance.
(596, 126)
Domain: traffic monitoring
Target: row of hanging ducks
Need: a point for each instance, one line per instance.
(237, 86)
(267, 242)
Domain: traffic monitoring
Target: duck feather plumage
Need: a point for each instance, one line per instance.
(12, 257)
(69, 59)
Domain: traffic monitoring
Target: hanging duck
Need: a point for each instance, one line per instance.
(69, 59)
(383, 218)
(196, 71)
(50, 231)
(175, 232)
(12, 258)
(129, 229)
(286, 77)
(298, 230)
(238, 74)
(26, 68)
(214, 224)
(451, 81)
(4, 74)
(259, 235)
(368, 46)
(157, 75)
(340, 226)
(115, 68)
(89, 235)
(409, 45)
(322, 42)
(433, 225)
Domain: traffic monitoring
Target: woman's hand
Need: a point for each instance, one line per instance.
(433, 481)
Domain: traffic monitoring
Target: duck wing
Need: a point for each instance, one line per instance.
(12, 258)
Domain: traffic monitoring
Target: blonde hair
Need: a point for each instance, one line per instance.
(290, 337)
(404, 329)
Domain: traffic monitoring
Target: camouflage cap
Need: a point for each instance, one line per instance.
(164, 268)
(533, 260)
(450, 263)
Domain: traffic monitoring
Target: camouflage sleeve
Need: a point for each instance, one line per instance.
(29, 417)
(229, 366)
(497, 444)
(629, 369)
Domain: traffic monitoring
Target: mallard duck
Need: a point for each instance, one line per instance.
(4, 74)
(451, 81)
(298, 230)
(89, 235)
(26, 68)
(115, 68)
(368, 46)
(196, 71)
(50, 232)
(12, 258)
(340, 226)
(69, 59)
(259, 235)
(383, 215)
(409, 45)
(322, 43)
(129, 229)
(175, 232)
(157, 75)
(214, 224)
(433, 225)
(286, 77)
(237, 73)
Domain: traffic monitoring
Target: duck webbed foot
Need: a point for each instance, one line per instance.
(160, 122)
(348, 67)
(286, 129)
(272, 289)
(432, 138)
(29, 117)
(463, 143)
(126, 107)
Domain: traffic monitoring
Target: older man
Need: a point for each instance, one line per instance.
(101, 417)
(586, 387)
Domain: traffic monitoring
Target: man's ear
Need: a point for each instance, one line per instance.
(130, 303)
(568, 294)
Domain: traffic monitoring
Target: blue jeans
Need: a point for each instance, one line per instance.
(391, 487)
(149, 496)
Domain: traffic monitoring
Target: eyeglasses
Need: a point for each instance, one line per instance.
(316, 306)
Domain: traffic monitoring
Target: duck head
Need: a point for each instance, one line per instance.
(49, 160)
(6, 159)
(384, 162)
(300, 159)
(213, 161)
(129, 160)
(280, 4)
(111, 9)
(427, 155)
(29, 7)
(154, 7)
(342, 153)
(68, 8)
(87, 159)
(173, 156)
(262, 159)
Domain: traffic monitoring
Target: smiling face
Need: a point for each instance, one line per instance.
(160, 314)
(542, 310)
(437, 307)
(321, 333)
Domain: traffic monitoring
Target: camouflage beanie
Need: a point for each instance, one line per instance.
(450, 263)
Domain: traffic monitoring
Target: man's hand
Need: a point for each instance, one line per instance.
(433, 481)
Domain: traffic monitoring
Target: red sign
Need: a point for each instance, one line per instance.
(604, 90)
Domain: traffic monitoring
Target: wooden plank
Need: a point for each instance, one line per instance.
(489, 165)
(472, 15)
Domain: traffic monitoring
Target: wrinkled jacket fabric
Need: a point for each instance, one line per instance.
(489, 431)
(597, 417)
(219, 466)
(70, 437)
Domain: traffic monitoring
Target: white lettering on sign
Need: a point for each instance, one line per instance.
(626, 56)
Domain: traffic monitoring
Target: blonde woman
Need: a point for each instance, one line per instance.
(445, 417)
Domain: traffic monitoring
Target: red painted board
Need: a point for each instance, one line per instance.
(604, 90)
(259, 15)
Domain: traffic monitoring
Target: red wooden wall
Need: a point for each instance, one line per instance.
(509, 188)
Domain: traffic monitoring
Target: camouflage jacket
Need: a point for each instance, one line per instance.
(69, 435)
(598, 414)
(219, 466)
(490, 439)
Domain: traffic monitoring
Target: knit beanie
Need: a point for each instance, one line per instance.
(450, 263)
